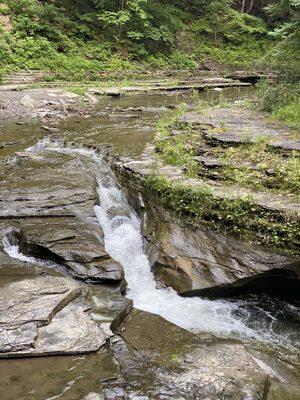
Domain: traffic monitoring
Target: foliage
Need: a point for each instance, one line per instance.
(245, 54)
(90, 36)
(289, 113)
(239, 216)
(224, 23)
(282, 99)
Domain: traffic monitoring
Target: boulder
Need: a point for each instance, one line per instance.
(180, 365)
(72, 242)
(43, 319)
(28, 101)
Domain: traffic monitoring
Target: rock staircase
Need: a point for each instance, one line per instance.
(23, 78)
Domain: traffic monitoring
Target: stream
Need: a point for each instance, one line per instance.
(258, 321)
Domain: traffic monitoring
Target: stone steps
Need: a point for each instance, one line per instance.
(20, 78)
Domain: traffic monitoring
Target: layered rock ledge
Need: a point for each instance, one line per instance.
(43, 316)
(213, 250)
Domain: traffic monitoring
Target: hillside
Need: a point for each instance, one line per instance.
(82, 40)
(81, 37)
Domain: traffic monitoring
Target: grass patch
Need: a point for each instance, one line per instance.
(80, 90)
(252, 164)
(281, 101)
(256, 165)
(174, 147)
(289, 113)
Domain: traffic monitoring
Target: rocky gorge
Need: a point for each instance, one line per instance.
(91, 264)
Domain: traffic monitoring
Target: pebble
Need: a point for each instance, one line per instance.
(22, 154)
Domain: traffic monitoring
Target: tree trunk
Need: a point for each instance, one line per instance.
(122, 4)
(243, 6)
(251, 6)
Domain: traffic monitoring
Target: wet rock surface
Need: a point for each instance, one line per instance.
(180, 365)
(201, 258)
(235, 126)
(44, 319)
(53, 212)
(48, 227)
(21, 103)
(76, 244)
(65, 294)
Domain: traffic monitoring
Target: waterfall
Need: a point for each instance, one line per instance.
(124, 243)
(240, 319)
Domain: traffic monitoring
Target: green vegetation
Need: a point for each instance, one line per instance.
(257, 165)
(252, 164)
(282, 100)
(77, 39)
(240, 216)
(84, 40)
(177, 143)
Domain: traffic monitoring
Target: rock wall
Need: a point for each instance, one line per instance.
(186, 258)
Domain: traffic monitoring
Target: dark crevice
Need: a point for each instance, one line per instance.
(41, 252)
(282, 283)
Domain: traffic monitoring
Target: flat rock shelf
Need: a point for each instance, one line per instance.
(92, 265)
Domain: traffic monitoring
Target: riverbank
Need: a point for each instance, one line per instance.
(77, 270)
(42, 101)
(227, 168)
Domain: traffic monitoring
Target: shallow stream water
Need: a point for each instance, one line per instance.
(257, 321)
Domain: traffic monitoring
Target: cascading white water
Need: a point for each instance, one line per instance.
(13, 250)
(47, 144)
(124, 243)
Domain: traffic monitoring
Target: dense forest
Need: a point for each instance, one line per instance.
(97, 34)
(77, 39)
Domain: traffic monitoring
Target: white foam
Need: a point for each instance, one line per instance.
(47, 145)
(13, 251)
(123, 241)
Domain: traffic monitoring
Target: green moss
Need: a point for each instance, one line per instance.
(240, 216)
